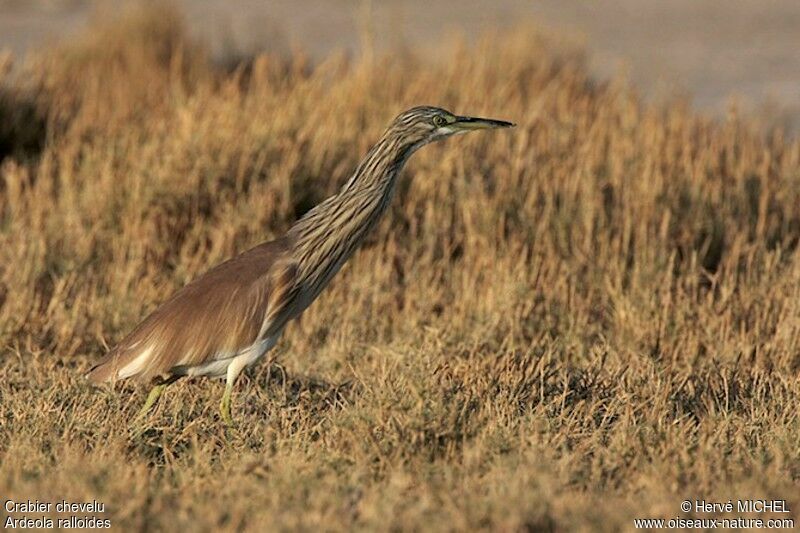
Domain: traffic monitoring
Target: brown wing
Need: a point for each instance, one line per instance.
(217, 315)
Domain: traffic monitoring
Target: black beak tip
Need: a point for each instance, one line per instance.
(501, 123)
(486, 122)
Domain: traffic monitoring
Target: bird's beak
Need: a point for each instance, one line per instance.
(474, 123)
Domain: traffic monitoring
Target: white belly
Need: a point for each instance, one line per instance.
(218, 367)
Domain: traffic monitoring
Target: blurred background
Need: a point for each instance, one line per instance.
(716, 52)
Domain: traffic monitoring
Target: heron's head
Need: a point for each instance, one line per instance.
(420, 125)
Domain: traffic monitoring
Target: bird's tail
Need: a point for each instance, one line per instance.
(105, 370)
(117, 364)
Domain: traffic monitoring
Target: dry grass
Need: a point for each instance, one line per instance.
(589, 318)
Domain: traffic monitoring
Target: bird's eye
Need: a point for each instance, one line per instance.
(439, 121)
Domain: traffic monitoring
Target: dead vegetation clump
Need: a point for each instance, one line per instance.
(587, 320)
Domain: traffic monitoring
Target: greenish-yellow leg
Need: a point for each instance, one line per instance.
(155, 392)
(225, 404)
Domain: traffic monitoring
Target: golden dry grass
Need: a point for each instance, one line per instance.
(584, 320)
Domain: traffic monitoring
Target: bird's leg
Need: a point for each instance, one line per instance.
(155, 393)
(234, 369)
(225, 404)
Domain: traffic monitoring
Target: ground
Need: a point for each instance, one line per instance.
(583, 321)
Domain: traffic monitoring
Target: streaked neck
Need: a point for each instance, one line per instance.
(326, 236)
(381, 164)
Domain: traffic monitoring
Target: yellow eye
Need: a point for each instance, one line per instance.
(439, 121)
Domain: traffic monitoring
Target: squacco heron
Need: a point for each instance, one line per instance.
(230, 317)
